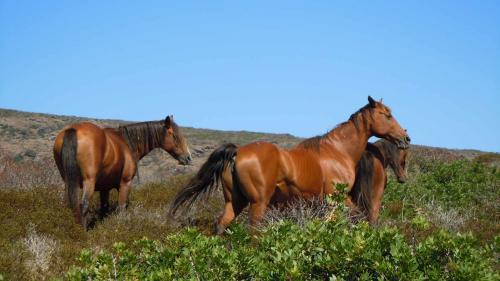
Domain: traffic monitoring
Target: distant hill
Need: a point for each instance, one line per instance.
(28, 136)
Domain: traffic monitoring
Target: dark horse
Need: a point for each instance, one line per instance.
(261, 173)
(371, 178)
(100, 159)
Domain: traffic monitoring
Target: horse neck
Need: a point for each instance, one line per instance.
(145, 140)
(350, 137)
(145, 149)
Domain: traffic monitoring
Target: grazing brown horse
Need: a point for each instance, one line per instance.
(371, 178)
(100, 159)
(264, 174)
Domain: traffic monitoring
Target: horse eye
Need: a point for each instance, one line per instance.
(389, 116)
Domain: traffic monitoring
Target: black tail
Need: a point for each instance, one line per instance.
(361, 191)
(207, 178)
(71, 171)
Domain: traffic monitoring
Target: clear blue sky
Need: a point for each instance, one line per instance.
(271, 66)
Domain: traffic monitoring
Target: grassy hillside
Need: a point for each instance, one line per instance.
(28, 138)
(442, 222)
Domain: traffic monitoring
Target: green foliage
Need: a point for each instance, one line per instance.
(410, 244)
(461, 195)
(420, 223)
(318, 251)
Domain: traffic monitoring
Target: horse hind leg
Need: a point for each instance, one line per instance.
(88, 190)
(123, 194)
(104, 196)
(235, 203)
(257, 211)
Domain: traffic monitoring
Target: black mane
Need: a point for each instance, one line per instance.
(145, 135)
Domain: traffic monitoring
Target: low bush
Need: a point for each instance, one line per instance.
(335, 250)
(458, 196)
(308, 240)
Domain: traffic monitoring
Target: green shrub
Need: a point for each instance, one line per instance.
(285, 251)
(464, 193)
(409, 245)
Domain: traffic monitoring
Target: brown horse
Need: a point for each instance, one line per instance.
(371, 178)
(264, 174)
(104, 158)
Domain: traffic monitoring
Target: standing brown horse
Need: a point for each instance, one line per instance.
(371, 178)
(263, 174)
(101, 159)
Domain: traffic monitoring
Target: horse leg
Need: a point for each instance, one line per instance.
(235, 203)
(104, 196)
(374, 211)
(123, 195)
(349, 203)
(257, 211)
(88, 190)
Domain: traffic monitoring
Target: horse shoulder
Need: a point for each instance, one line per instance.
(338, 169)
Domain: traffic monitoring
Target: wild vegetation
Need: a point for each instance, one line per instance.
(441, 224)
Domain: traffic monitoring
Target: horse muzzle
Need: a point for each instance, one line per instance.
(402, 179)
(185, 159)
(403, 142)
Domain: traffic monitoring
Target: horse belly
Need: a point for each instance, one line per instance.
(110, 176)
(286, 192)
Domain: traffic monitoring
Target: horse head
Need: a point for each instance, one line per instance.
(384, 125)
(174, 142)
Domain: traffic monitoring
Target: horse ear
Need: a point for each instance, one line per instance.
(168, 121)
(372, 102)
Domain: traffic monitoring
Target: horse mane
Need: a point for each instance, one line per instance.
(145, 135)
(315, 142)
(386, 151)
(361, 191)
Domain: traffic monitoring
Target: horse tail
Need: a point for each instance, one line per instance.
(71, 171)
(207, 178)
(361, 191)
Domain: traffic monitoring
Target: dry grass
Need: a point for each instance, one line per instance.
(41, 249)
(451, 219)
(28, 174)
(146, 216)
(300, 211)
